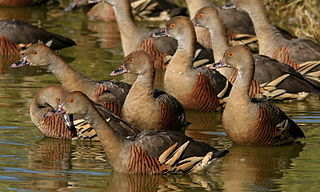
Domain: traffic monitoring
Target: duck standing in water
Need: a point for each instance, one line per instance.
(145, 107)
(150, 152)
(247, 121)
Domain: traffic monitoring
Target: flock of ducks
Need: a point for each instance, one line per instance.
(142, 128)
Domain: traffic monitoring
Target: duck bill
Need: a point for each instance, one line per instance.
(21, 63)
(121, 70)
(194, 22)
(161, 33)
(94, 1)
(219, 64)
(58, 110)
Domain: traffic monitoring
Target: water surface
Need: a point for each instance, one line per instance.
(30, 162)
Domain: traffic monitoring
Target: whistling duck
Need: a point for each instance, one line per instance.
(141, 9)
(110, 94)
(145, 107)
(267, 70)
(252, 122)
(160, 48)
(150, 152)
(53, 125)
(293, 52)
(24, 33)
(238, 24)
(44, 102)
(195, 88)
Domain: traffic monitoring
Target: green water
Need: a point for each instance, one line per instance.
(30, 162)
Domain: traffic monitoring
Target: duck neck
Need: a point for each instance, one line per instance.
(144, 83)
(240, 89)
(183, 57)
(127, 27)
(219, 44)
(110, 140)
(69, 78)
(268, 36)
(195, 5)
(218, 40)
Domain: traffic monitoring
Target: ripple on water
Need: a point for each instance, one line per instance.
(30, 162)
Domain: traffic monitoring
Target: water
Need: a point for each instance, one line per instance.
(30, 162)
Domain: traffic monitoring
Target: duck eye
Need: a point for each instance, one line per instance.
(70, 100)
(34, 52)
(172, 25)
(131, 60)
(230, 54)
(200, 15)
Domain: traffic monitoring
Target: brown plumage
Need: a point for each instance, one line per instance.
(149, 46)
(42, 113)
(248, 121)
(159, 48)
(128, 27)
(7, 47)
(265, 83)
(237, 22)
(141, 162)
(151, 152)
(44, 102)
(203, 97)
(273, 44)
(255, 91)
(145, 107)
(109, 93)
(283, 54)
(195, 88)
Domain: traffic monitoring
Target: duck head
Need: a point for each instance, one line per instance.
(35, 55)
(236, 57)
(204, 17)
(137, 62)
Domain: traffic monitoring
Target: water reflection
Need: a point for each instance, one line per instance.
(255, 167)
(107, 32)
(32, 163)
(52, 162)
(23, 13)
(49, 157)
(6, 61)
(147, 183)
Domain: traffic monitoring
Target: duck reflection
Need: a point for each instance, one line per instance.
(148, 183)
(203, 120)
(107, 33)
(6, 61)
(23, 13)
(48, 158)
(255, 167)
(52, 162)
